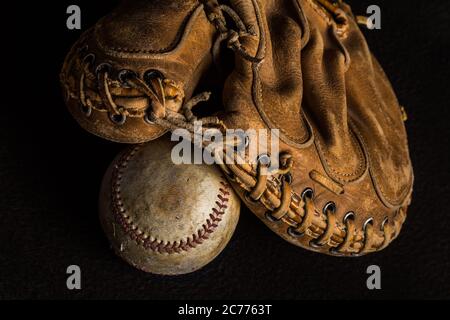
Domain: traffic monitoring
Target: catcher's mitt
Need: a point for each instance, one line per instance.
(345, 177)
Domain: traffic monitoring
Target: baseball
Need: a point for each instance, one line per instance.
(164, 218)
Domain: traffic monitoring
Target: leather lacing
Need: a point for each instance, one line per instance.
(303, 218)
(215, 13)
(103, 101)
(153, 86)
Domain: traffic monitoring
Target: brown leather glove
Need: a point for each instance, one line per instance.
(345, 177)
(115, 77)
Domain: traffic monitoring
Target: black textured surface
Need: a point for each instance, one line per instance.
(50, 172)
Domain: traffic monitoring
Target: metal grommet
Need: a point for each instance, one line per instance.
(264, 159)
(335, 252)
(330, 206)
(125, 75)
(152, 74)
(149, 118)
(102, 67)
(269, 217)
(368, 221)
(349, 215)
(294, 233)
(86, 110)
(288, 178)
(386, 220)
(89, 58)
(118, 119)
(308, 193)
(314, 244)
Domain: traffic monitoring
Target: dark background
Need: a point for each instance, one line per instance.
(50, 173)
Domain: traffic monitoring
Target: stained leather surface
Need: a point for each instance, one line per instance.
(136, 37)
(314, 71)
(130, 28)
(50, 173)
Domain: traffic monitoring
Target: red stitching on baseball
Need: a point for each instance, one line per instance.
(148, 242)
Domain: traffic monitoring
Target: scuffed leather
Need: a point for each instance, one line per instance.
(172, 37)
(335, 108)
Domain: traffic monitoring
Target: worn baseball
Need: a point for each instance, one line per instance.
(165, 218)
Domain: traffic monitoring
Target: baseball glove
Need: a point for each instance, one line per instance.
(345, 178)
(339, 181)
